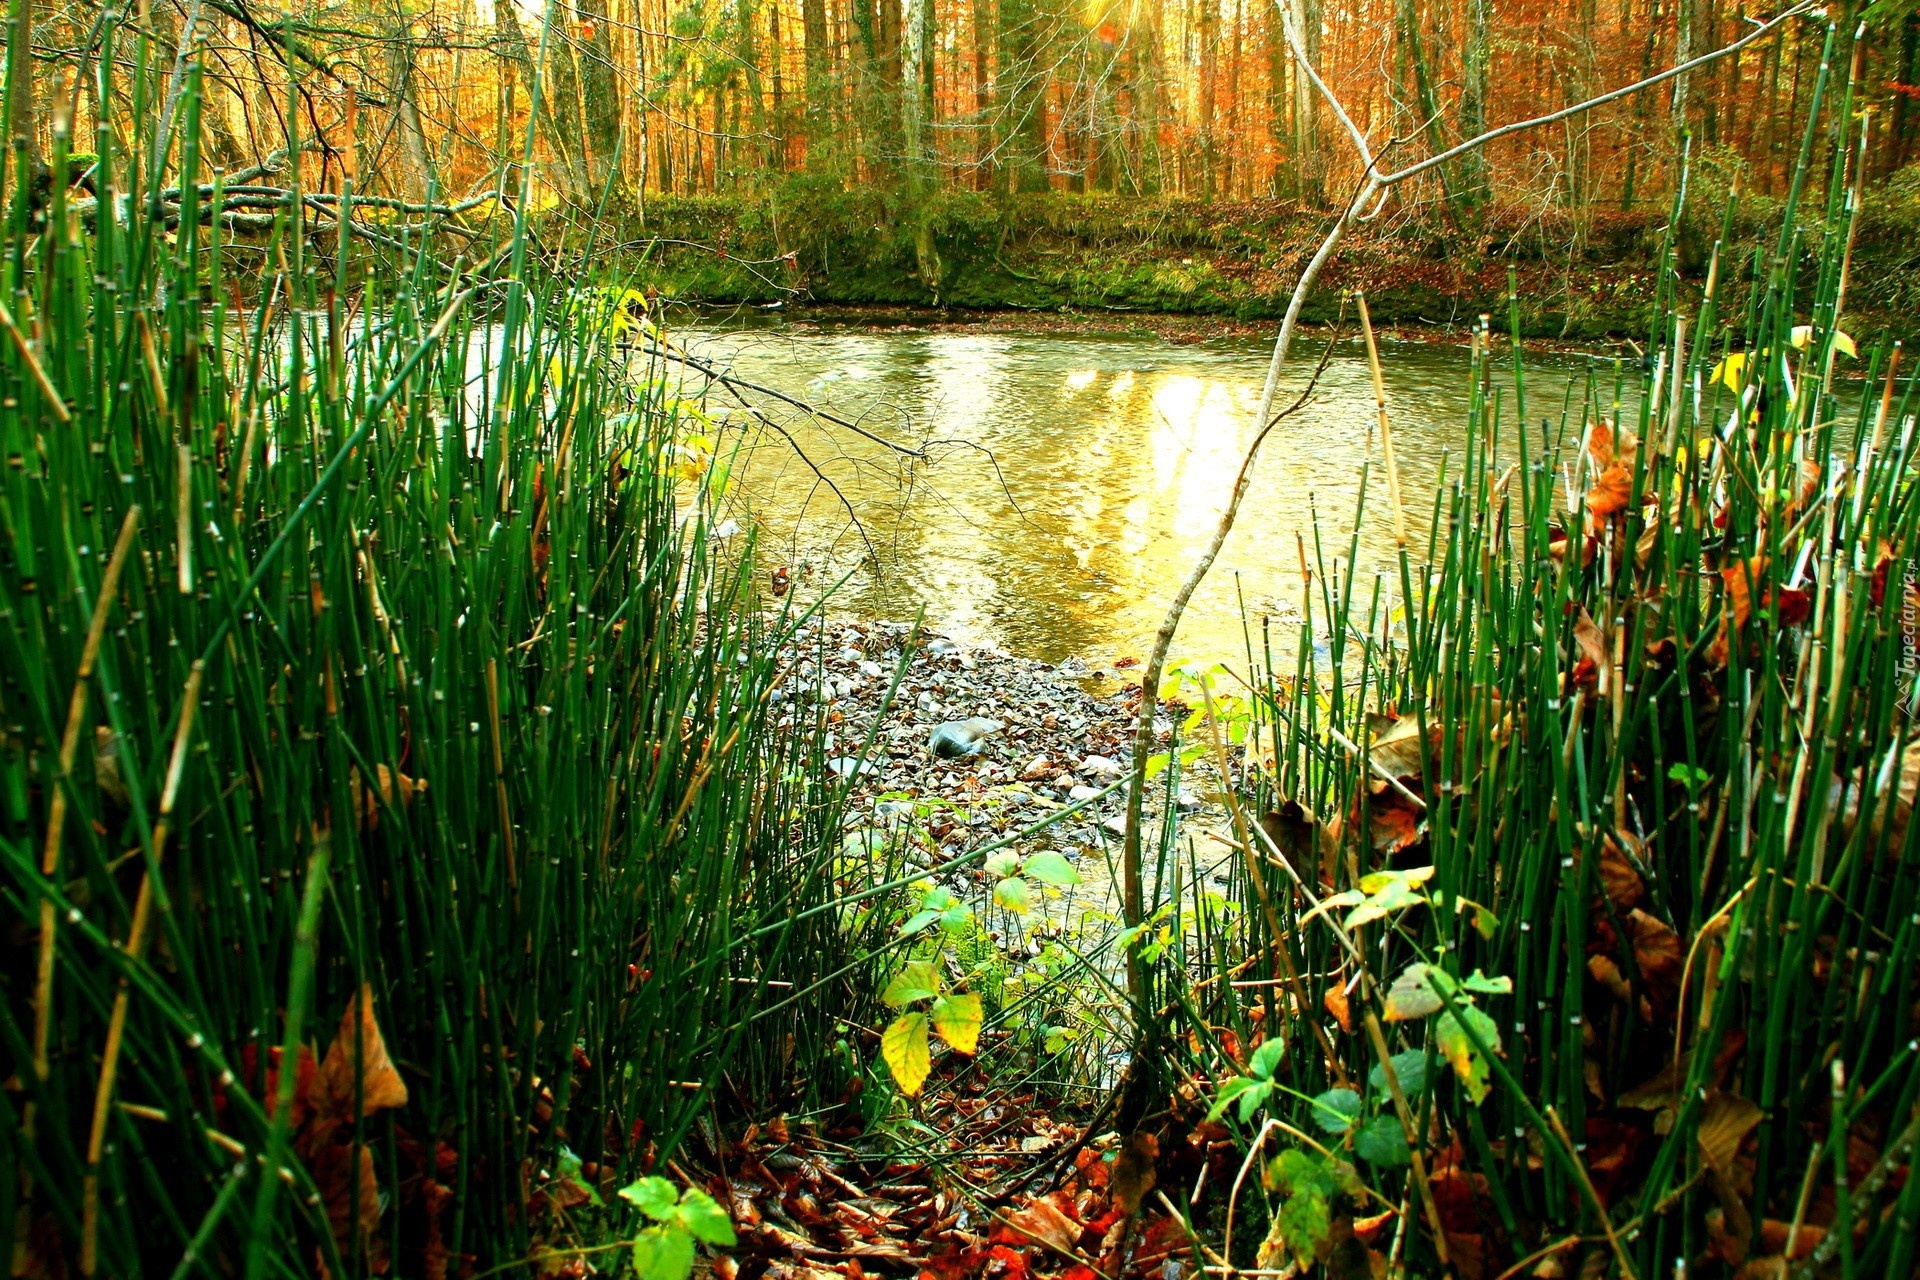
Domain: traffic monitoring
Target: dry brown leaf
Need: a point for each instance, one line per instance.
(1393, 822)
(1604, 449)
(1044, 1222)
(1134, 1173)
(1725, 1121)
(1610, 493)
(1397, 745)
(1594, 656)
(350, 1190)
(1618, 876)
(396, 790)
(1302, 840)
(1657, 952)
(1336, 1002)
(1774, 1233)
(377, 1084)
(1607, 974)
(1740, 579)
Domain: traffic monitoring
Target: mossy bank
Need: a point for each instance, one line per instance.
(810, 241)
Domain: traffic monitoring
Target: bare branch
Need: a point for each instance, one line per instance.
(1306, 65)
(1367, 197)
(1521, 126)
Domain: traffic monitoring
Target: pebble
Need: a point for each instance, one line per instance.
(1063, 739)
(958, 738)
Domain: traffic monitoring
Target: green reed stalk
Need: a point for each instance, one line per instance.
(484, 729)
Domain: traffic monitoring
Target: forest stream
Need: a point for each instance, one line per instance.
(1074, 479)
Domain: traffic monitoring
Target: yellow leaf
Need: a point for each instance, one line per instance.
(904, 1046)
(958, 1019)
(1802, 338)
(918, 981)
(1015, 894)
(1729, 370)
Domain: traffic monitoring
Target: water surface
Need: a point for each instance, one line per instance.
(1073, 479)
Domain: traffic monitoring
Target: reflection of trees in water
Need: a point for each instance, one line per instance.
(1062, 483)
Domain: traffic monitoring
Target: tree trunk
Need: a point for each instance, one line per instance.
(1309, 169)
(819, 90)
(1208, 35)
(983, 131)
(776, 56)
(600, 104)
(415, 170)
(21, 131)
(1022, 88)
(1426, 103)
(1902, 103)
(1473, 104)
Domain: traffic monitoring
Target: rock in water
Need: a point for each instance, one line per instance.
(957, 738)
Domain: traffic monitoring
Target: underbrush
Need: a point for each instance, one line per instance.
(398, 854)
(1580, 930)
(1584, 274)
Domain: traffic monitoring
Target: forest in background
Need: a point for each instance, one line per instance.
(941, 151)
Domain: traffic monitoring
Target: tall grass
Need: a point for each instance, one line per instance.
(1652, 708)
(371, 636)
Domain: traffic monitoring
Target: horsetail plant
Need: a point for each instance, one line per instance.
(396, 839)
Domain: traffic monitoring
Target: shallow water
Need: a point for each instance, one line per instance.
(1082, 475)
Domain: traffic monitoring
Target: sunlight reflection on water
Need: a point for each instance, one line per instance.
(1111, 458)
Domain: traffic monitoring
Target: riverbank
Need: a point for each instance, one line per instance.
(1580, 278)
(1062, 732)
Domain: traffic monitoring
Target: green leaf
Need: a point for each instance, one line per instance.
(1486, 986)
(938, 899)
(1410, 997)
(918, 981)
(1381, 1141)
(1015, 894)
(701, 1214)
(1333, 902)
(1049, 867)
(1267, 1057)
(569, 1168)
(1336, 1110)
(1002, 864)
(1228, 1092)
(958, 1019)
(1468, 1064)
(904, 1047)
(1409, 1067)
(918, 921)
(663, 1253)
(1306, 1223)
(1395, 895)
(1255, 1098)
(1378, 880)
(655, 1197)
(1688, 776)
(1294, 1170)
(956, 918)
(1157, 764)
